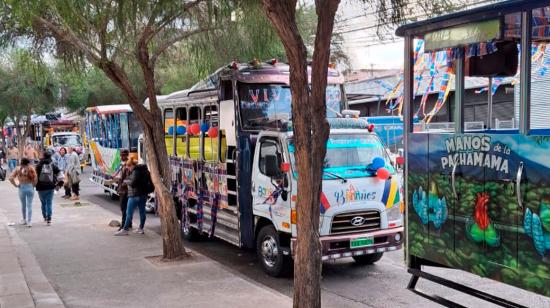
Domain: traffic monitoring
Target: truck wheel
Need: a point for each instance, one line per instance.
(191, 234)
(368, 259)
(270, 254)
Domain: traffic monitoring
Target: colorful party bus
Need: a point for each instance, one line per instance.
(478, 199)
(109, 129)
(232, 155)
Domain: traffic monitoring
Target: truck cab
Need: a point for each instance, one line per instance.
(360, 214)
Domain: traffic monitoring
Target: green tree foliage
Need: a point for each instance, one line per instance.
(27, 86)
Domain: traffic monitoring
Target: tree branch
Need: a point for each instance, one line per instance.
(168, 43)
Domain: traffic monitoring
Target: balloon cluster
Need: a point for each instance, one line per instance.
(378, 164)
(195, 129)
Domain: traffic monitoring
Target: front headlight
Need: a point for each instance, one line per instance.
(394, 213)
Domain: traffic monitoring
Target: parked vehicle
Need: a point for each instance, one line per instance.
(478, 199)
(232, 155)
(109, 129)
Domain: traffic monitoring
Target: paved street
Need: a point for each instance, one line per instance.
(344, 283)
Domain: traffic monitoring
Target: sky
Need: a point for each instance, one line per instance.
(365, 49)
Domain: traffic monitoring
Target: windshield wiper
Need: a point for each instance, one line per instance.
(344, 180)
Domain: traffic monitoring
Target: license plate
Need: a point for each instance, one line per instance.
(361, 242)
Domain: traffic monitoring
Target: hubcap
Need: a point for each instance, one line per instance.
(270, 251)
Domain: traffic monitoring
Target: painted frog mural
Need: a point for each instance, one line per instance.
(537, 227)
(431, 208)
(479, 228)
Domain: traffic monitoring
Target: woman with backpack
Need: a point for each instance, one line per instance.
(26, 180)
(48, 173)
(139, 187)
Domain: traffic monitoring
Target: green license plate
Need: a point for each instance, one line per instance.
(361, 242)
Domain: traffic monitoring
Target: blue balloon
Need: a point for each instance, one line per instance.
(204, 127)
(171, 130)
(377, 163)
(181, 130)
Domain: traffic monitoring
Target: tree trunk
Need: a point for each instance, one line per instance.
(311, 132)
(18, 135)
(157, 160)
(151, 120)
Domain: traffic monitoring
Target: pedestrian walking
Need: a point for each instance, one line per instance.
(47, 172)
(61, 159)
(13, 156)
(31, 154)
(139, 187)
(122, 187)
(73, 173)
(26, 180)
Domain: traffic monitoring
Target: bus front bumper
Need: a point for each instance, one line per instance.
(339, 246)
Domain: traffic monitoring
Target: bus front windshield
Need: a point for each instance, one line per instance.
(269, 105)
(349, 155)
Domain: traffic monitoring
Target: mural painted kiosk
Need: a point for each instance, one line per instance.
(479, 200)
(109, 129)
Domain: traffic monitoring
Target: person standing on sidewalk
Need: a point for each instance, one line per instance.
(26, 180)
(139, 187)
(13, 156)
(73, 173)
(61, 159)
(122, 187)
(47, 173)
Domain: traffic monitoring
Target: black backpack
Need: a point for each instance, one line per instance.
(148, 183)
(46, 174)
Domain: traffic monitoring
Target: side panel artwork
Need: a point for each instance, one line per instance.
(494, 236)
(418, 187)
(104, 160)
(534, 236)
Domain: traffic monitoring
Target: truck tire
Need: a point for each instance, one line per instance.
(270, 254)
(368, 259)
(191, 234)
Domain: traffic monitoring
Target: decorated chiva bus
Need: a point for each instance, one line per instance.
(479, 197)
(109, 129)
(232, 155)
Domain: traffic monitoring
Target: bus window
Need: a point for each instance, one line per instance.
(194, 140)
(540, 74)
(125, 142)
(181, 139)
(169, 130)
(135, 130)
(211, 144)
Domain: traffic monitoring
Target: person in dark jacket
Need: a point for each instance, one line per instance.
(139, 187)
(47, 173)
(122, 187)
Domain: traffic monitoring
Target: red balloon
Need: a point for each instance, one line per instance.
(194, 129)
(213, 132)
(383, 174)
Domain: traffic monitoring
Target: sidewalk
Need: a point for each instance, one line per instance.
(89, 267)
